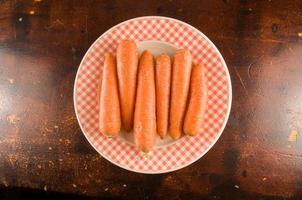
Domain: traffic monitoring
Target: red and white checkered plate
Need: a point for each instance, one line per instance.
(175, 155)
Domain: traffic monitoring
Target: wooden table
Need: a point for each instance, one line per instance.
(42, 148)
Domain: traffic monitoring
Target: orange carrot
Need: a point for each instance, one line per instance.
(181, 73)
(145, 116)
(163, 84)
(197, 103)
(109, 113)
(127, 60)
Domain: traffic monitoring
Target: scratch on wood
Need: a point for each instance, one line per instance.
(241, 82)
(249, 70)
(250, 103)
(13, 119)
(55, 25)
(4, 182)
(250, 66)
(288, 154)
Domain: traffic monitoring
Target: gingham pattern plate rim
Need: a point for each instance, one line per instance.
(226, 116)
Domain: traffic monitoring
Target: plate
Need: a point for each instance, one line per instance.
(158, 34)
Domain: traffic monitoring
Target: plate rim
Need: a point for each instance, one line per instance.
(229, 95)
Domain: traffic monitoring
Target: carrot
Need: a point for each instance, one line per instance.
(127, 60)
(197, 103)
(163, 82)
(145, 116)
(181, 73)
(109, 113)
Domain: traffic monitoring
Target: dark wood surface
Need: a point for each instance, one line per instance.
(42, 147)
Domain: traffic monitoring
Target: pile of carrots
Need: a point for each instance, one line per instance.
(151, 96)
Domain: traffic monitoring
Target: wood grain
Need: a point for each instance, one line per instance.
(42, 147)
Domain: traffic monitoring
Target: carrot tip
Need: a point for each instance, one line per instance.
(146, 154)
(109, 136)
(175, 138)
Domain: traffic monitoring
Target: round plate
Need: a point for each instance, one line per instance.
(161, 33)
